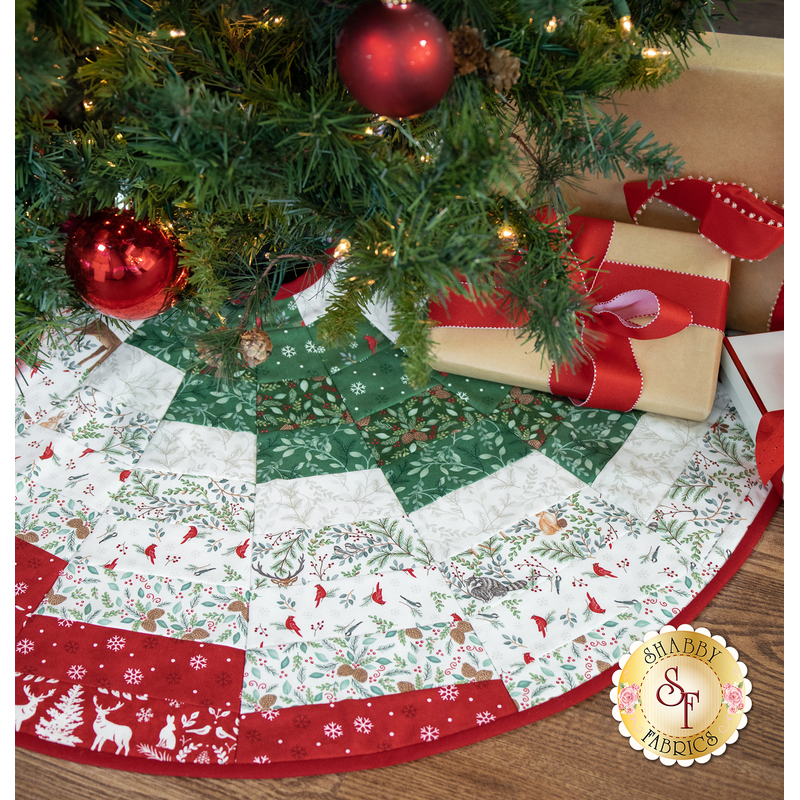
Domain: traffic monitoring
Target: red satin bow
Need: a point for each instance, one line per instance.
(730, 215)
(609, 377)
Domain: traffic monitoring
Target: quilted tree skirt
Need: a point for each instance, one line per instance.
(316, 568)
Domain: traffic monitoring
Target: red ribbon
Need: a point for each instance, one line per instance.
(776, 315)
(609, 376)
(769, 449)
(731, 216)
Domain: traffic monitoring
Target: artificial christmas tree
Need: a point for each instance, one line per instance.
(230, 125)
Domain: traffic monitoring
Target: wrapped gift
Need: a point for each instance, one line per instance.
(656, 329)
(751, 369)
(725, 116)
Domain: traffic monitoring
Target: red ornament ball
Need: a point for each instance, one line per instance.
(396, 60)
(121, 266)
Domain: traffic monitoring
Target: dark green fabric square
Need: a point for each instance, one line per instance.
(171, 337)
(286, 405)
(587, 438)
(314, 450)
(532, 415)
(214, 403)
(375, 383)
(482, 395)
(367, 341)
(409, 426)
(294, 355)
(456, 461)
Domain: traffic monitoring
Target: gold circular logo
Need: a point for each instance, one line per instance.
(681, 695)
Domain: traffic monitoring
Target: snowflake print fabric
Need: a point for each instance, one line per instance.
(316, 567)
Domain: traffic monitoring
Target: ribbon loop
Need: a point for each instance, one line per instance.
(731, 216)
(668, 317)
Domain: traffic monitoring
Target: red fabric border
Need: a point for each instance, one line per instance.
(423, 749)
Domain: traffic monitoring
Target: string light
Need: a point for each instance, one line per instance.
(623, 15)
(551, 24)
(655, 54)
(174, 33)
(508, 234)
(341, 248)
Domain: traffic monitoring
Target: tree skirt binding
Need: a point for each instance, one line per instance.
(317, 568)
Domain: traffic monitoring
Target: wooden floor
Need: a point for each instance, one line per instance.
(576, 754)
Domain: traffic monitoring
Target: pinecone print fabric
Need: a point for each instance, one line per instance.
(317, 560)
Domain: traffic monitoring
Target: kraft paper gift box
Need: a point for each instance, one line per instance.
(678, 373)
(725, 116)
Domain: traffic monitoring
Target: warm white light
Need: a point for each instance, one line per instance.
(175, 33)
(551, 25)
(655, 54)
(341, 248)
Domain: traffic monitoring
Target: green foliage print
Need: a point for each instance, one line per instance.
(287, 405)
(208, 401)
(586, 439)
(410, 425)
(448, 464)
(316, 450)
(212, 504)
(338, 668)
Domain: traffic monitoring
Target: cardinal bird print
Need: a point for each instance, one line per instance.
(242, 548)
(371, 343)
(377, 595)
(150, 552)
(602, 571)
(594, 605)
(190, 534)
(541, 624)
(321, 594)
(291, 625)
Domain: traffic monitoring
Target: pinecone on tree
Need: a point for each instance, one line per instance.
(468, 50)
(255, 347)
(503, 69)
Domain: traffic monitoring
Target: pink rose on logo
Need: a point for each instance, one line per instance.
(733, 696)
(628, 698)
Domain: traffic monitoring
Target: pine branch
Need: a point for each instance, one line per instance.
(229, 124)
